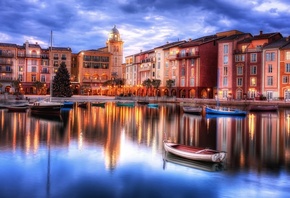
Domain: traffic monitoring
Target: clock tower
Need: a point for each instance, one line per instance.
(115, 47)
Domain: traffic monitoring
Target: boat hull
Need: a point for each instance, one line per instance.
(98, 104)
(125, 104)
(194, 153)
(192, 110)
(209, 110)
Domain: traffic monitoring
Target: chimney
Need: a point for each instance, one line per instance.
(261, 32)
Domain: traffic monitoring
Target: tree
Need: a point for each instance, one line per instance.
(169, 84)
(156, 84)
(148, 84)
(61, 82)
(38, 85)
(16, 85)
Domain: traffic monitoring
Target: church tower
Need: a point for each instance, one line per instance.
(115, 47)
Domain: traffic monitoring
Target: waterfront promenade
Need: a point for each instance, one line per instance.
(182, 101)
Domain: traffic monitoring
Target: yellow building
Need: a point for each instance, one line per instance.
(97, 66)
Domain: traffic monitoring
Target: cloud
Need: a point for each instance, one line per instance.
(143, 25)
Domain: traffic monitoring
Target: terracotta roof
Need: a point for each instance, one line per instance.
(234, 37)
(8, 45)
(277, 44)
(200, 41)
(264, 36)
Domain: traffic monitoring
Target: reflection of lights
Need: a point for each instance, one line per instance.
(252, 125)
(80, 141)
(288, 124)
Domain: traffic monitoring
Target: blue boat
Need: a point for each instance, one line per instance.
(68, 104)
(152, 105)
(224, 111)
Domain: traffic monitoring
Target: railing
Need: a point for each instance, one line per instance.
(6, 71)
(8, 55)
(6, 78)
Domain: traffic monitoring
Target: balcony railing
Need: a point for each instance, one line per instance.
(6, 78)
(7, 55)
(6, 62)
(3, 70)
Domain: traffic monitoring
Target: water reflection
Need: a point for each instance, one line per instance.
(258, 141)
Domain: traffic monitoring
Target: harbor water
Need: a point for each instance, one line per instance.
(118, 152)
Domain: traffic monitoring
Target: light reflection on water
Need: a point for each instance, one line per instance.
(118, 152)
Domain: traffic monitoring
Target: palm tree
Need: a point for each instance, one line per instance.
(156, 84)
(148, 84)
(169, 84)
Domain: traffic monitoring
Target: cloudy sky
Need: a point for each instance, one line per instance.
(143, 24)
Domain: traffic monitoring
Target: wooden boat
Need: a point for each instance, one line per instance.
(153, 105)
(194, 153)
(224, 111)
(263, 108)
(192, 109)
(99, 104)
(200, 165)
(125, 104)
(83, 105)
(13, 108)
(46, 108)
(142, 102)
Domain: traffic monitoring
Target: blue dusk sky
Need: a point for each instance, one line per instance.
(143, 24)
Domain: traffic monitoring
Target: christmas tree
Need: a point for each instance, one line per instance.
(61, 82)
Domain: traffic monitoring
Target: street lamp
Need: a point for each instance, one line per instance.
(208, 90)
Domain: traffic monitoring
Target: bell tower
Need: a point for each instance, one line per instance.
(115, 47)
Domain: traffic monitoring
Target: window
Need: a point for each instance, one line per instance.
(253, 81)
(158, 65)
(20, 77)
(239, 70)
(63, 57)
(192, 62)
(253, 57)
(182, 82)
(33, 62)
(270, 56)
(225, 81)
(253, 70)
(33, 78)
(226, 49)
(285, 79)
(287, 67)
(239, 82)
(226, 59)
(270, 80)
(166, 64)
(33, 69)
(20, 68)
(182, 72)
(225, 71)
(42, 78)
(270, 68)
(192, 82)
(287, 55)
(240, 58)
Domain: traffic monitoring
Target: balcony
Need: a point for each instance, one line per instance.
(5, 70)
(6, 62)
(63, 58)
(187, 55)
(5, 78)
(6, 55)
